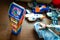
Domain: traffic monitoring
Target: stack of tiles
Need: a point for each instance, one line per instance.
(16, 16)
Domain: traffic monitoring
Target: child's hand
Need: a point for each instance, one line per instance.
(43, 25)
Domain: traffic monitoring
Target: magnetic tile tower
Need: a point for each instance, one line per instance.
(16, 16)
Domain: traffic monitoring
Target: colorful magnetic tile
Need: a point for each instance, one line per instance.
(16, 33)
(14, 20)
(16, 11)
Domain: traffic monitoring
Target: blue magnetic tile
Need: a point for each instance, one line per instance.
(16, 33)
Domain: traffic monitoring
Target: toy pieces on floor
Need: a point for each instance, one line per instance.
(56, 11)
(54, 14)
(39, 10)
(16, 16)
(56, 3)
(34, 17)
(36, 14)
